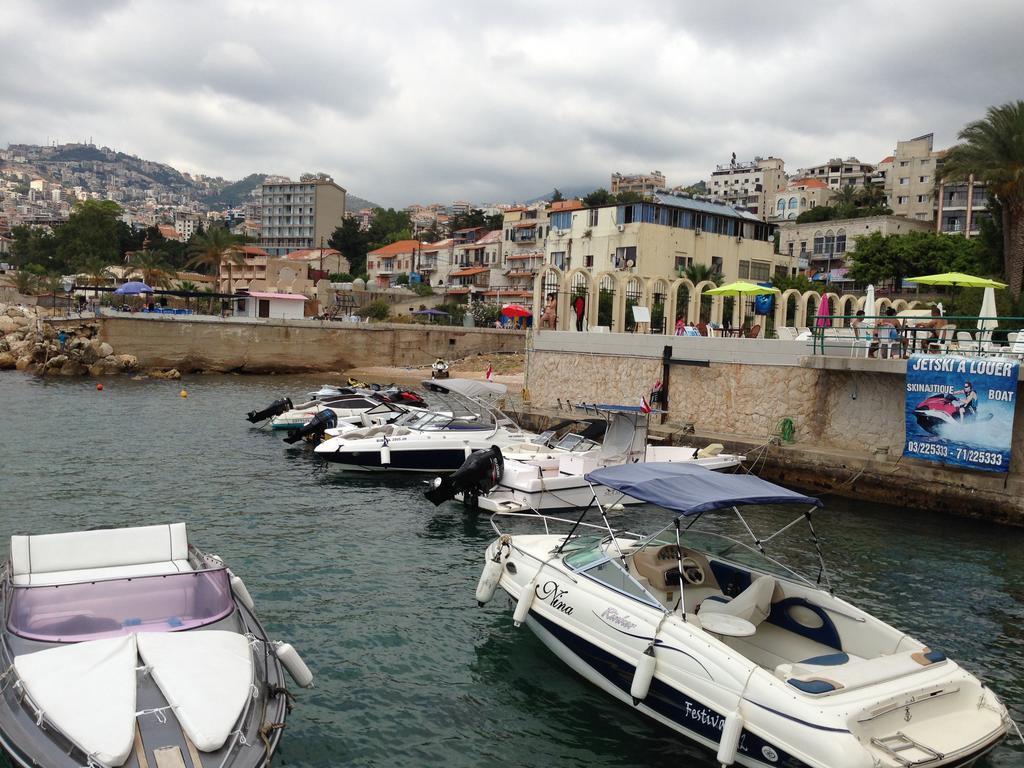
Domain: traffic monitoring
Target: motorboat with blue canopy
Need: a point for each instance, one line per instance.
(727, 645)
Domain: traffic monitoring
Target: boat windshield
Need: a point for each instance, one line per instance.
(721, 547)
(431, 421)
(76, 612)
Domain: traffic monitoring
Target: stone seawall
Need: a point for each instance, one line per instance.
(848, 424)
(280, 346)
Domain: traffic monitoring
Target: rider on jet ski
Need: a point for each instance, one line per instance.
(968, 402)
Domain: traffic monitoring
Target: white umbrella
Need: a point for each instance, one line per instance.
(987, 316)
(869, 307)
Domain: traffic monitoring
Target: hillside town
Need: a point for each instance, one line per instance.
(749, 219)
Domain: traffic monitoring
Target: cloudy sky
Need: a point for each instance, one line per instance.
(459, 99)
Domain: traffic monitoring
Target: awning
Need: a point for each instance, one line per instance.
(465, 387)
(692, 489)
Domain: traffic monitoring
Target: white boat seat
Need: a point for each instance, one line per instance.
(753, 604)
(822, 675)
(710, 450)
(81, 556)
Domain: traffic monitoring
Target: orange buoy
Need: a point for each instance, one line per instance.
(100, 386)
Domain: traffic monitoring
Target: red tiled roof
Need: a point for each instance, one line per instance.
(809, 183)
(168, 231)
(250, 250)
(888, 159)
(393, 249)
(469, 272)
(525, 224)
(440, 245)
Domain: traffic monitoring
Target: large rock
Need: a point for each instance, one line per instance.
(105, 366)
(24, 362)
(73, 368)
(173, 373)
(7, 324)
(7, 361)
(100, 349)
(127, 362)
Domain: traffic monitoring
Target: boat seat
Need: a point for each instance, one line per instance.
(822, 675)
(753, 604)
(82, 556)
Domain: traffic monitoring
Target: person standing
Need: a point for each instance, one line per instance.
(549, 319)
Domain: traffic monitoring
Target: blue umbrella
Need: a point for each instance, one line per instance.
(434, 312)
(133, 288)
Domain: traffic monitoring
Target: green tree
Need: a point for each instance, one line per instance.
(698, 273)
(23, 281)
(96, 273)
(475, 218)
(91, 231)
(877, 258)
(153, 269)
(32, 245)
(992, 149)
(628, 197)
(556, 196)
(352, 243)
(213, 248)
(598, 197)
(494, 221)
(388, 226)
(375, 310)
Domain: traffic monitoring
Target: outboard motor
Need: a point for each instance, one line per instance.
(315, 427)
(276, 408)
(479, 473)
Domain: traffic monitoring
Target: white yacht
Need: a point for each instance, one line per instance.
(712, 638)
(550, 475)
(131, 647)
(468, 419)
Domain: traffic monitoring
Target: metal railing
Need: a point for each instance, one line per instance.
(888, 336)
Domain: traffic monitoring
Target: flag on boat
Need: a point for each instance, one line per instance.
(490, 373)
(645, 407)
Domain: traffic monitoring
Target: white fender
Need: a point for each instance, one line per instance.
(730, 740)
(385, 454)
(643, 675)
(525, 601)
(489, 580)
(241, 593)
(296, 667)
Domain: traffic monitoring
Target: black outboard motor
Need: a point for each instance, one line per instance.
(315, 427)
(479, 473)
(276, 408)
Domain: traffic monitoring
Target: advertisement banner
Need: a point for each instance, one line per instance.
(959, 410)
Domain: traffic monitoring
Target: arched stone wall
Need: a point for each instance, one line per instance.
(634, 293)
(658, 292)
(548, 280)
(846, 305)
(782, 308)
(605, 281)
(715, 314)
(577, 281)
(686, 307)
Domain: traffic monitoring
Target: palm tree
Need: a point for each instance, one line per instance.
(24, 282)
(992, 150)
(153, 269)
(698, 273)
(97, 272)
(213, 248)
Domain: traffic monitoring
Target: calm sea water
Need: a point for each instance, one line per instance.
(375, 587)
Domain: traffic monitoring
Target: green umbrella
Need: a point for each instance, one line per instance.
(740, 288)
(957, 279)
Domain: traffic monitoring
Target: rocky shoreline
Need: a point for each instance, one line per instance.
(28, 343)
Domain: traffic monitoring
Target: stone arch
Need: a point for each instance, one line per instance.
(901, 304)
(578, 282)
(548, 280)
(684, 306)
(634, 293)
(783, 316)
(883, 304)
(847, 305)
(833, 306)
(658, 291)
(809, 301)
(714, 312)
(604, 296)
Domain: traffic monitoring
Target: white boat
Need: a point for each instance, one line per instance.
(347, 408)
(728, 647)
(434, 441)
(544, 476)
(130, 647)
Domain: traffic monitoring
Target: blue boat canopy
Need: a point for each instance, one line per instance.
(690, 489)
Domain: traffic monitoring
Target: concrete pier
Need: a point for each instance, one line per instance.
(847, 414)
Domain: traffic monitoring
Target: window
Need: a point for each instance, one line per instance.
(922, 198)
(760, 270)
(782, 205)
(904, 179)
(830, 243)
(819, 243)
(904, 163)
(922, 179)
(624, 255)
(925, 161)
(716, 264)
(841, 241)
(592, 216)
(588, 260)
(922, 216)
(789, 248)
(803, 246)
(793, 202)
(744, 269)
(682, 262)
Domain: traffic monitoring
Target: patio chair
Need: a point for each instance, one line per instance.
(755, 331)
(965, 342)
(941, 345)
(785, 333)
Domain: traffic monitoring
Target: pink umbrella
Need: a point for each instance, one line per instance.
(823, 320)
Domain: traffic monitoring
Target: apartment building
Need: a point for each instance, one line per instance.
(435, 262)
(908, 177)
(662, 237)
(798, 196)
(838, 173)
(822, 247)
(479, 269)
(749, 185)
(302, 214)
(259, 271)
(961, 207)
(525, 230)
(644, 184)
(186, 224)
(386, 263)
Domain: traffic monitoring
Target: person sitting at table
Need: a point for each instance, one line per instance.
(934, 327)
(891, 328)
(680, 325)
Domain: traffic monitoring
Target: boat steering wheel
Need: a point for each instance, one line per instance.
(692, 571)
